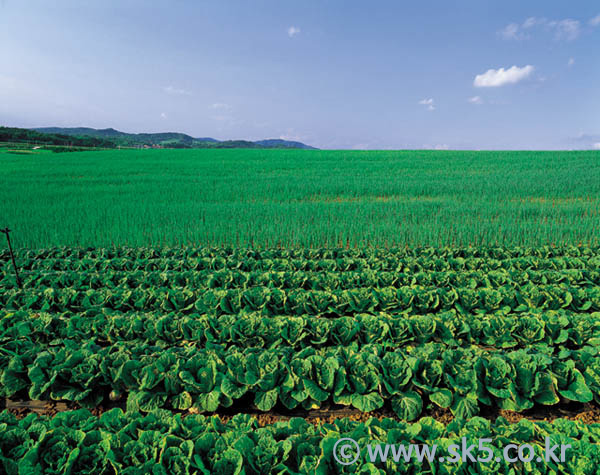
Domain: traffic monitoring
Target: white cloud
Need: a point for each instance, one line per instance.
(475, 100)
(163, 115)
(595, 21)
(293, 31)
(500, 77)
(441, 147)
(428, 103)
(566, 29)
(220, 106)
(571, 62)
(530, 22)
(293, 135)
(175, 91)
(586, 141)
(512, 32)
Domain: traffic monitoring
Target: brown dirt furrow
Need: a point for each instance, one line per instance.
(587, 413)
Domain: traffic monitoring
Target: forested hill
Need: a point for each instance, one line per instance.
(27, 136)
(169, 139)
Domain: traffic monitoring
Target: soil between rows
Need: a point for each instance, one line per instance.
(587, 413)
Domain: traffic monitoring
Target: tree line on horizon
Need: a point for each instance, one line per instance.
(27, 136)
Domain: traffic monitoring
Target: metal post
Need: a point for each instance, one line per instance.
(12, 256)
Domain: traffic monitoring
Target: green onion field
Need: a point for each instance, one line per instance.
(299, 198)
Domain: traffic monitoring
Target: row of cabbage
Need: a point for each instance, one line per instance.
(556, 329)
(161, 443)
(494, 252)
(408, 380)
(273, 301)
(307, 280)
(248, 264)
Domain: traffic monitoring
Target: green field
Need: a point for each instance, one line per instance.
(240, 311)
(270, 198)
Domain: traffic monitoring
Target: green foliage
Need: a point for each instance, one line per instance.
(161, 443)
(307, 280)
(167, 139)
(203, 329)
(180, 377)
(273, 301)
(302, 198)
(15, 135)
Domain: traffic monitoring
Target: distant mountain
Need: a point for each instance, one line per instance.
(78, 131)
(168, 139)
(279, 143)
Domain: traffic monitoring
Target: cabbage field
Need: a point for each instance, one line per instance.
(239, 312)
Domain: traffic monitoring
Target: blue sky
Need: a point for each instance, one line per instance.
(335, 74)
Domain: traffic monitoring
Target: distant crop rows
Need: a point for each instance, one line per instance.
(273, 301)
(555, 329)
(303, 199)
(306, 280)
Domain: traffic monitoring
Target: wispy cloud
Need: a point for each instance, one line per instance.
(429, 103)
(587, 137)
(585, 141)
(567, 29)
(595, 21)
(571, 62)
(222, 118)
(512, 31)
(475, 100)
(293, 31)
(220, 106)
(163, 115)
(224, 115)
(439, 146)
(501, 77)
(294, 135)
(175, 91)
